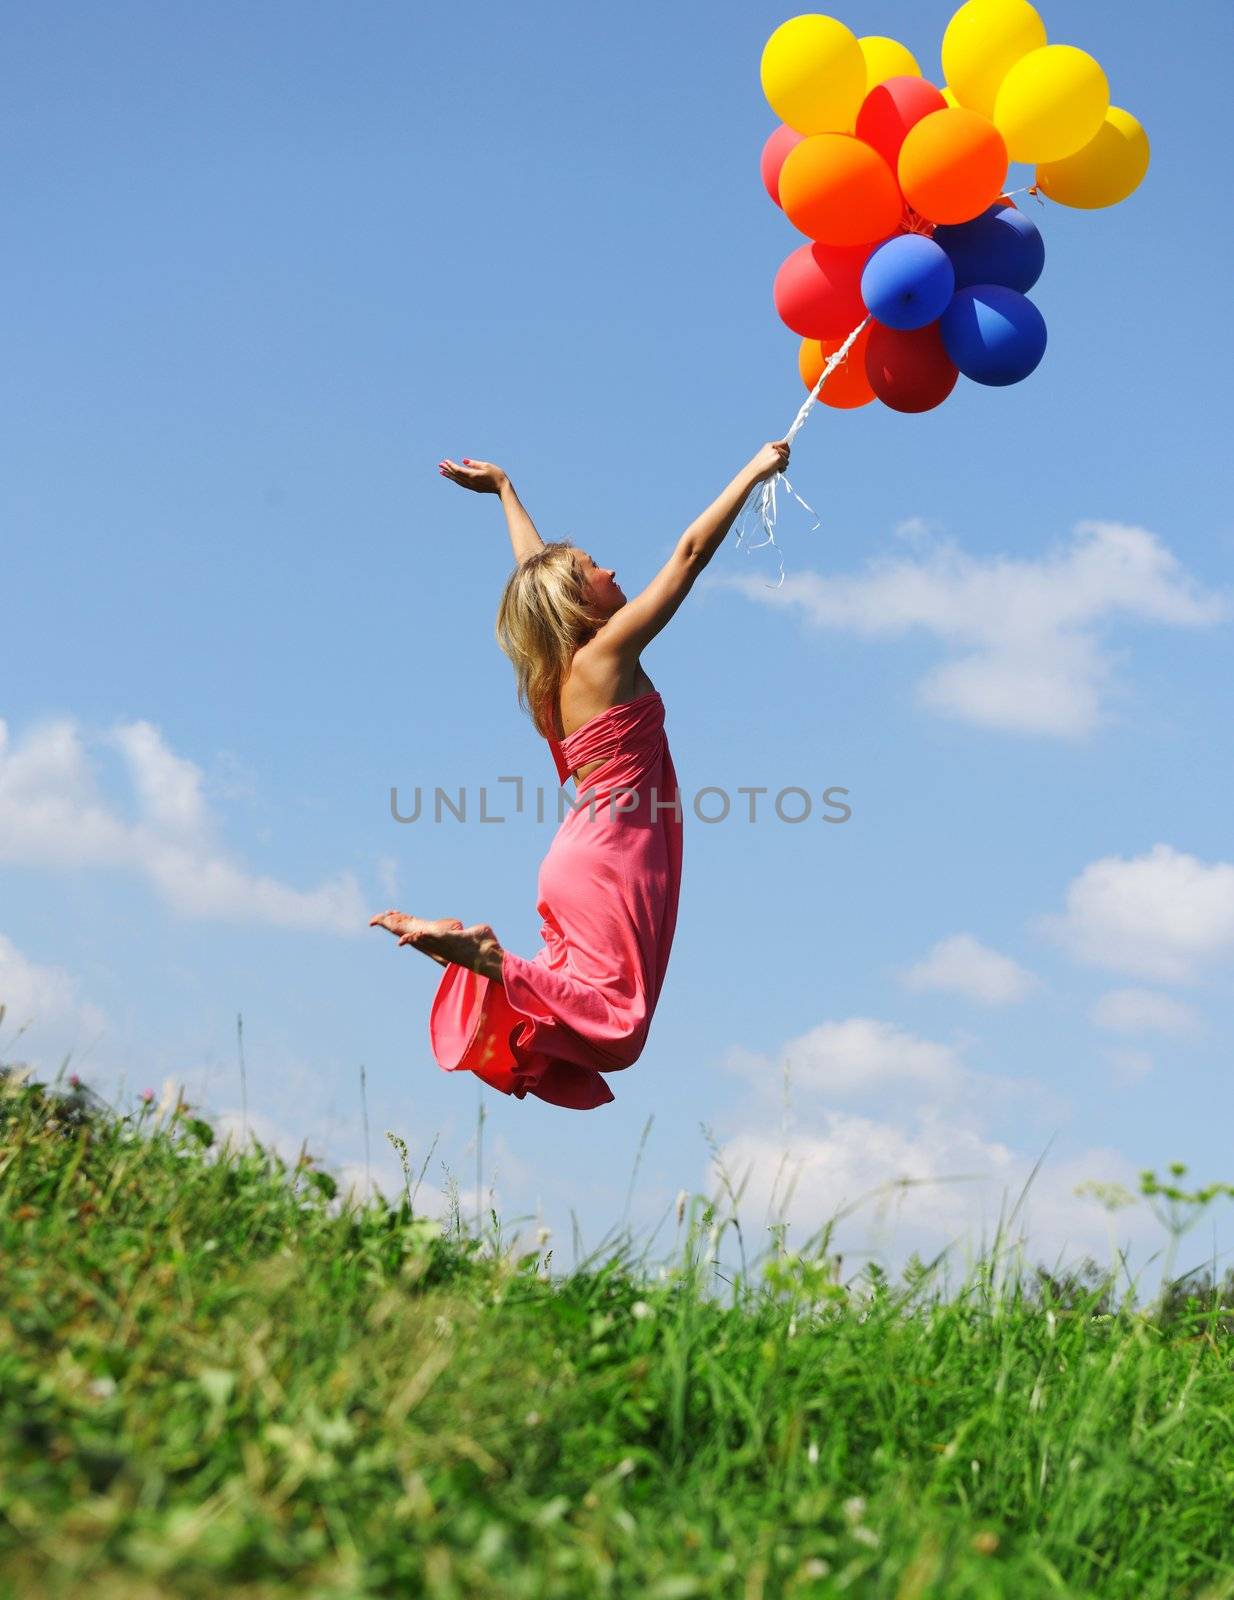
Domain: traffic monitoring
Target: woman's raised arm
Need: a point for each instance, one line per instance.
(485, 478)
(629, 630)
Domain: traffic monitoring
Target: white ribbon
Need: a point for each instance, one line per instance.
(765, 503)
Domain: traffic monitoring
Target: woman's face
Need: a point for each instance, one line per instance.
(606, 593)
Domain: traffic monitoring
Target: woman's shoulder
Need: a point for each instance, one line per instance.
(599, 678)
(588, 689)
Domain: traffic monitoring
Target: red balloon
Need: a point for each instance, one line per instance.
(909, 371)
(774, 152)
(891, 108)
(818, 290)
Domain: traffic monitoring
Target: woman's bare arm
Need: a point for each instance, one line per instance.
(630, 629)
(523, 536)
(707, 532)
(485, 478)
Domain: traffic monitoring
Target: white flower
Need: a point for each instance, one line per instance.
(639, 1310)
(854, 1508)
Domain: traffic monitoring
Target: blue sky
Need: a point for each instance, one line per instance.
(265, 266)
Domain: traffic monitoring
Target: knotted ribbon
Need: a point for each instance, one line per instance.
(763, 496)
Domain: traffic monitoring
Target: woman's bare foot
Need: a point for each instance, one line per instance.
(396, 923)
(446, 940)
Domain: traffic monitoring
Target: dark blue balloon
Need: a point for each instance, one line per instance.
(907, 282)
(993, 334)
(999, 246)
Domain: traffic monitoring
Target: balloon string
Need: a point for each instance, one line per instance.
(765, 503)
(1032, 188)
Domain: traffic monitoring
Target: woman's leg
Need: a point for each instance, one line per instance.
(447, 941)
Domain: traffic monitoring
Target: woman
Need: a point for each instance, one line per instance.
(609, 885)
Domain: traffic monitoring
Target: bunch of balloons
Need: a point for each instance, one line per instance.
(898, 185)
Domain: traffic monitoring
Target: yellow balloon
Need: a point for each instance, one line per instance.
(886, 58)
(983, 41)
(949, 97)
(1051, 103)
(1107, 170)
(814, 74)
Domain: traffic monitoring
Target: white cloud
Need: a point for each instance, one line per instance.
(1160, 916)
(44, 1008)
(915, 531)
(845, 1156)
(963, 965)
(1143, 1011)
(925, 1183)
(168, 788)
(1130, 1066)
(1024, 636)
(53, 813)
(388, 879)
(924, 1164)
(858, 1057)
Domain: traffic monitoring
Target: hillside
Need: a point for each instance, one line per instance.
(216, 1378)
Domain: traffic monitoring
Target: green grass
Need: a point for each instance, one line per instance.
(215, 1379)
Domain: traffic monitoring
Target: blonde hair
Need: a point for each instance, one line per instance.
(546, 612)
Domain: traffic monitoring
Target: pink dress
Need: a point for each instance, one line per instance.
(607, 898)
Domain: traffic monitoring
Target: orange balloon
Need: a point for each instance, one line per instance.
(953, 164)
(848, 386)
(838, 190)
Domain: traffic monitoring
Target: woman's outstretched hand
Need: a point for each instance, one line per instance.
(482, 476)
(772, 458)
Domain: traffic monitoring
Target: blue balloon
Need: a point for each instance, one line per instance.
(908, 282)
(993, 334)
(999, 246)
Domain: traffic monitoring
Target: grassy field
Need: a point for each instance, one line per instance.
(216, 1379)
